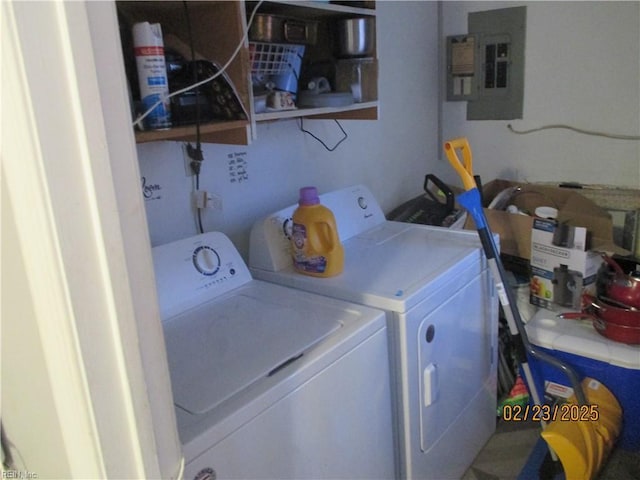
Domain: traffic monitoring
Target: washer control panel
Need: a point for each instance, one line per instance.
(195, 270)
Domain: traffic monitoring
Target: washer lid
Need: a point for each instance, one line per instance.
(224, 346)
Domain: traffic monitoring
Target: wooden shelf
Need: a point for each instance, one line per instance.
(311, 9)
(217, 29)
(361, 111)
(236, 130)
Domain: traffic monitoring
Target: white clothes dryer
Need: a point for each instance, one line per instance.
(270, 382)
(442, 312)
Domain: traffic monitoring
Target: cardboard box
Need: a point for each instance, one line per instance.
(562, 268)
(515, 229)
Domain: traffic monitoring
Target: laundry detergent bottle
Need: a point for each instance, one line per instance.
(315, 243)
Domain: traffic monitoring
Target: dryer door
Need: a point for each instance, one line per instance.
(457, 376)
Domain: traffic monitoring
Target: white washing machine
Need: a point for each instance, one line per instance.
(270, 382)
(442, 314)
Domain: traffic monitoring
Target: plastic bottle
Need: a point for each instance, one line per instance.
(316, 247)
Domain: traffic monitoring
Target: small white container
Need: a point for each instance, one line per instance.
(548, 213)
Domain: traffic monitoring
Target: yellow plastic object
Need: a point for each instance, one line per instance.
(585, 436)
(464, 167)
(315, 244)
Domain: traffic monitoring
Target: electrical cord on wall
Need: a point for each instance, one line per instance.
(245, 34)
(331, 149)
(195, 189)
(195, 153)
(574, 129)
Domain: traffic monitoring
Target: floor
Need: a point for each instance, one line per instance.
(509, 449)
(506, 453)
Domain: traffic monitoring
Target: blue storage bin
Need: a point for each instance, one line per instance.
(614, 364)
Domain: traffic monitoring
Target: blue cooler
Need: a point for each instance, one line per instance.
(614, 364)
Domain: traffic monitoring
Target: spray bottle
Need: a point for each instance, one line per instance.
(152, 74)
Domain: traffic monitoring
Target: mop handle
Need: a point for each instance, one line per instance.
(464, 167)
(470, 200)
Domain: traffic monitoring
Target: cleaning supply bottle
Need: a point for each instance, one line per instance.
(316, 247)
(152, 74)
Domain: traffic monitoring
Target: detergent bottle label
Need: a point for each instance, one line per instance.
(304, 258)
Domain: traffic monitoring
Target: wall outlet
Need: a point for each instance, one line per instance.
(186, 148)
(199, 198)
(203, 199)
(213, 201)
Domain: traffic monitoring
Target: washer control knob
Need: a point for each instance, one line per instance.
(206, 260)
(362, 202)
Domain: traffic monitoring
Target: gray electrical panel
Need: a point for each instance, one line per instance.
(494, 85)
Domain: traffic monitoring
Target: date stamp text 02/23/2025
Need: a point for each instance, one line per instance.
(564, 412)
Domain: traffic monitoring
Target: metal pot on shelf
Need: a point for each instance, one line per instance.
(270, 28)
(355, 37)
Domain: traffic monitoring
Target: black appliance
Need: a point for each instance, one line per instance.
(435, 207)
(216, 99)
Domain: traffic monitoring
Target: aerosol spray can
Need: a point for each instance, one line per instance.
(152, 74)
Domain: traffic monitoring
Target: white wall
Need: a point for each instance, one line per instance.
(582, 68)
(390, 155)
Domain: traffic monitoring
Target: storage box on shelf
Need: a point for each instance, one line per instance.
(562, 266)
(623, 204)
(515, 228)
(217, 27)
